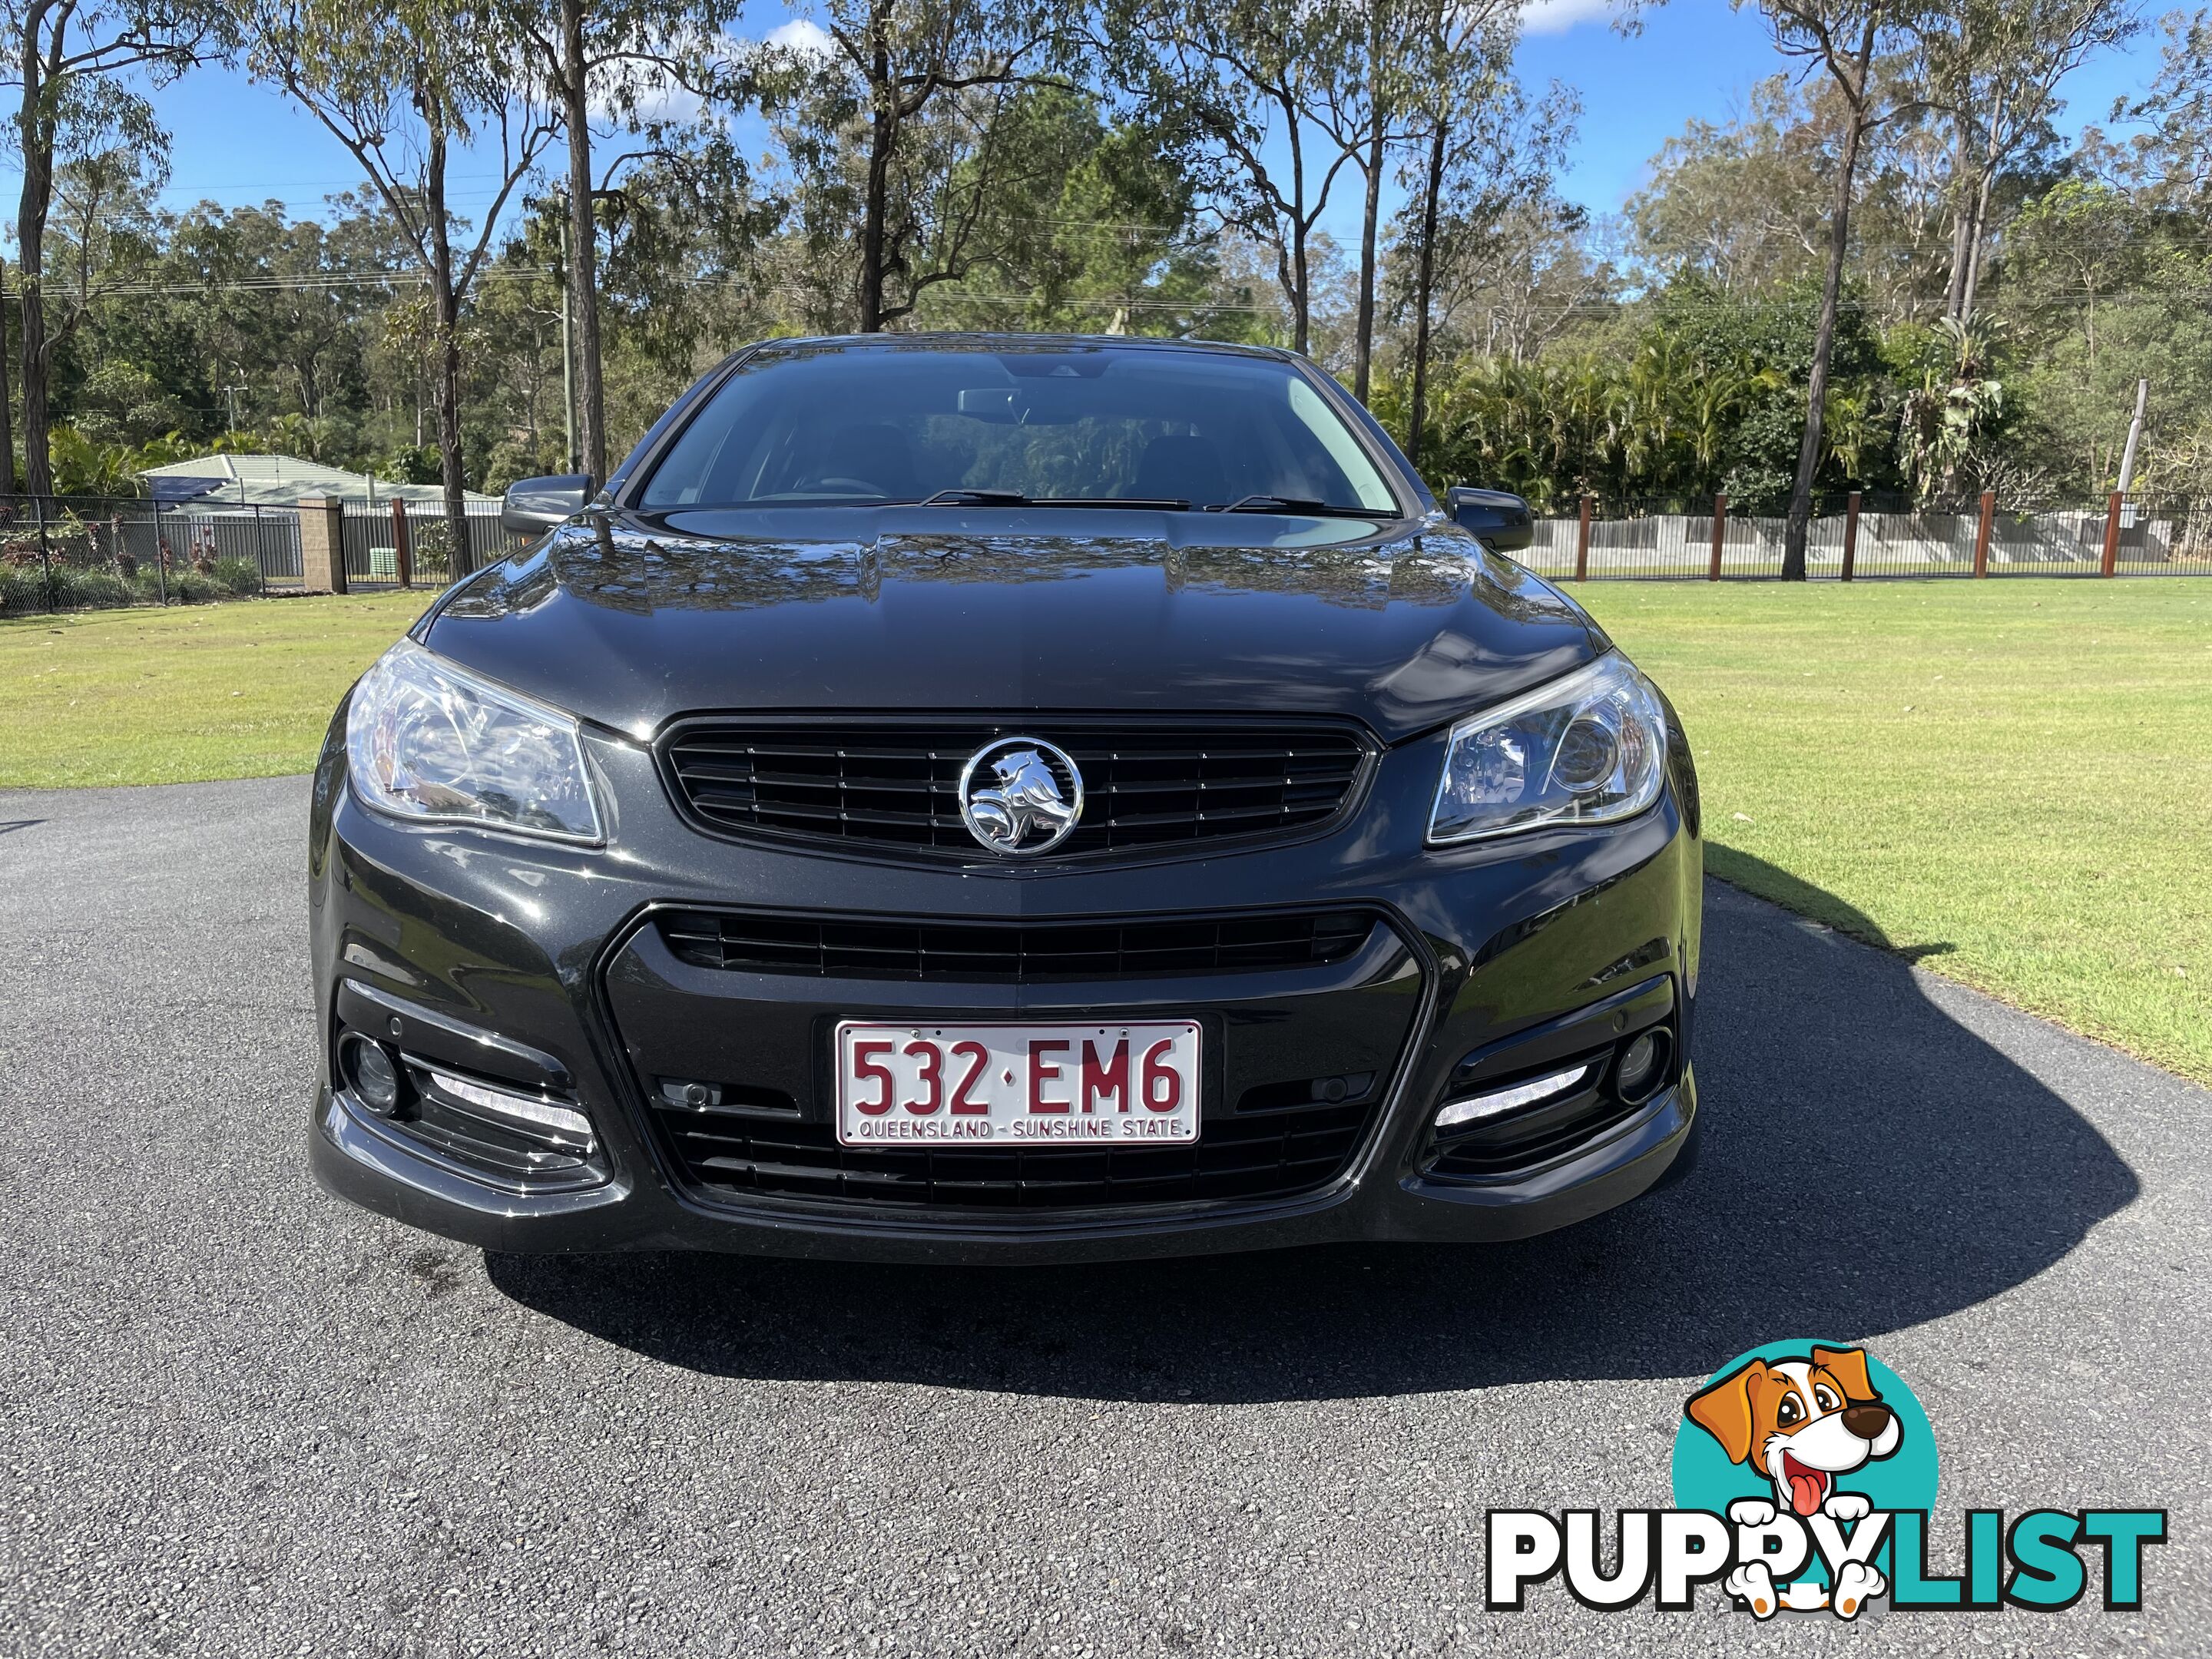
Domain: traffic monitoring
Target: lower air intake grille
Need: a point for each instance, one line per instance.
(1015, 953)
(1514, 1148)
(1247, 1156)
(894, 785)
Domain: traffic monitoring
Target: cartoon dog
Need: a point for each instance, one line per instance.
(1800, 1423)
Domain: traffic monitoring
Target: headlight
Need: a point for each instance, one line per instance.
(431, 742)
(1586, 749)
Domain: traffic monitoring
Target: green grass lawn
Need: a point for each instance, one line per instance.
(2010, 781)
(237, 690)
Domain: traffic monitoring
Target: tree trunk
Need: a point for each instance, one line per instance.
(1424, 280)
(7, 417)
(1961, 220)
(1363, 360)
(36, 141)
(448, 315)
(449, 438)
(883, 132)
(1977, 234)
(583, 244)
(1824, 336)
(1301, 294)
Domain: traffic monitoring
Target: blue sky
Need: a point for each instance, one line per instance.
(237, 142)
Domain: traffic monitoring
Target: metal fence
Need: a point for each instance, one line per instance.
(60, 553)
(72, 552)
(1860, 537)
(386, 539)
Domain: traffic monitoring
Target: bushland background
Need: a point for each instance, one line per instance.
(1902, 263)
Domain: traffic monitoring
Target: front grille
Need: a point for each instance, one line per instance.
(1011, 953)
(1247, 1156)
(894, 785)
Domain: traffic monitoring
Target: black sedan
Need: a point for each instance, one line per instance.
(1004, 799)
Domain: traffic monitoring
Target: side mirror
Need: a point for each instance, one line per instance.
(534, 504)
(1501, 522)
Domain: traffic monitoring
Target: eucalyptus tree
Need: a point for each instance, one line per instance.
(281, 307)
(1381, 66)
(1742, 203)
(1993, 68)
(67, 61)
(622, 57)
(1247, 76)
(2169, 159)
(890, 112)
(404, 87)
(1090, 222)
(1838, 38)
(1483, 148)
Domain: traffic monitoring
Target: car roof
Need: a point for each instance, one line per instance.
(969, 340)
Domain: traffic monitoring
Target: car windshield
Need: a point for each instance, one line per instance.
(1188, 430)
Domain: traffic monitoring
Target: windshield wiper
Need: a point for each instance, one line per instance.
(977, 498)
(1310, 509)
(1156, 503)
(1015, 498)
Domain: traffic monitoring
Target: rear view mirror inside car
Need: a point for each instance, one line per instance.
(1004, 405)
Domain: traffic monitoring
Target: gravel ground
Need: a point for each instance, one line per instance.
(238, 1418)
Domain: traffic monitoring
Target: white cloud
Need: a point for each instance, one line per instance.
(801, 34)
(1557, 16)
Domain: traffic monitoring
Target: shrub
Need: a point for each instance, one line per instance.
(96, 589)
(22, 588)
(239, 576)
(433, 547)
(191, 588)
(26, 588)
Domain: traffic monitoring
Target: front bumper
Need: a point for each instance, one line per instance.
(545, 967)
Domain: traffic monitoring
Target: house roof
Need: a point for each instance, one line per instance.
(280, 481)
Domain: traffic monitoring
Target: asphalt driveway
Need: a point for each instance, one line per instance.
(237, 1418)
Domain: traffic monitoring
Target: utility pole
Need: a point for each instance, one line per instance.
(2134, 437)
(231, 393)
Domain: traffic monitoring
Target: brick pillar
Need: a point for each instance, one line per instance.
(322, 544)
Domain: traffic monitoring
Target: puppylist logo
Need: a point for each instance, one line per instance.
(1804, 1475)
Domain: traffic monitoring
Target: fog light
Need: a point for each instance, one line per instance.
(376, 1079)
(1637, 1074)
(1475, 1107)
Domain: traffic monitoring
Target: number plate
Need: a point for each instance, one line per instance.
(1026, 1085)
